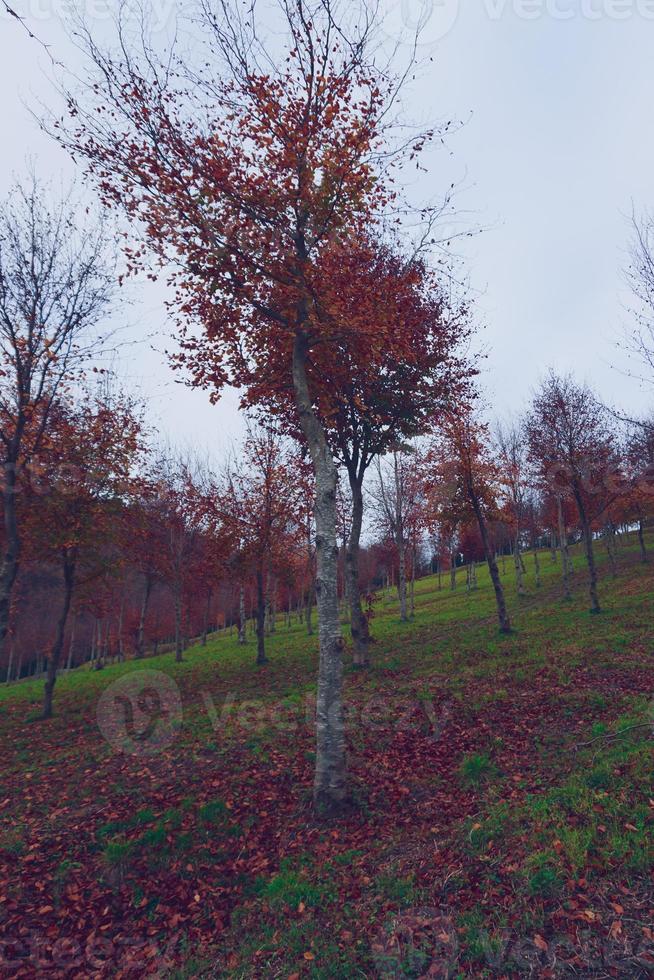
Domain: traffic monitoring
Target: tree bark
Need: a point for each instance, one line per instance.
(358, 619)
(537, 567)
(55, 653)
(261, 620)
(590, 554)
(330, 773)
(519, 566)
(502, 614)
(563, 544)
(71, 646)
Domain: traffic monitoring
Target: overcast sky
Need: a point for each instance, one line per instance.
(558, 144)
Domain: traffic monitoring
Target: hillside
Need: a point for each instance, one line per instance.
(501, 818)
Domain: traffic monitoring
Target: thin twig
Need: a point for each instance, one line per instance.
(30, 33)
(611, 735)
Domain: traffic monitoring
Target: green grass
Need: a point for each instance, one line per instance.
(483, 782)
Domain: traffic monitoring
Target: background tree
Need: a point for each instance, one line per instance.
(461, 458)
(513, 463)
(260, 507)
(56, 285)
(573, 447)
(90, 456)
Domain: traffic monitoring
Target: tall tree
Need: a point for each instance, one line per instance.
(242, 171)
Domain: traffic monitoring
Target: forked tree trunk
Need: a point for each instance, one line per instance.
(10, 558)
(330, 773)
(502, 614)
(358, 619)
(261, 620)
(590, 554)
(242, 639)
(58, 645)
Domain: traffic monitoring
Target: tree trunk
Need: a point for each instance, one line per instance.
(453, 573)
(641, 540)
(71, 646)
(502, 614)
(261, 620)
(563, 544)
(10, 664)
(140, 636)
(519, 566)
(401, 581)
(590, 554)
(609, 540)
(205, 627)
(537, 567)
(330, 773)
(55, 653)
(308, 610)
(358, 619)
(242, 639)
(9, 567)
(179, 650)
(412, 586)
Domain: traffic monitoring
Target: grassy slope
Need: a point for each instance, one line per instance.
(483, 833)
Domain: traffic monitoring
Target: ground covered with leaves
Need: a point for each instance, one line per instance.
(501, 821)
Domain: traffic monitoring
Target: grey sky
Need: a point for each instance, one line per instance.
(558, 96)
